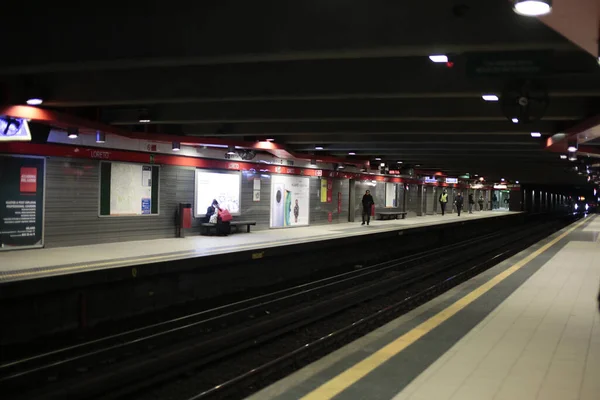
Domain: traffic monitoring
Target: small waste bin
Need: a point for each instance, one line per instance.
(185, 218)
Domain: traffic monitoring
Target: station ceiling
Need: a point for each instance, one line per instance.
(348, 77)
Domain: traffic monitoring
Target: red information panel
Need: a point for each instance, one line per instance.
(339, 202)
(28, 180)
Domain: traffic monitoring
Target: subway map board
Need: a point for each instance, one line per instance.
(21, 202)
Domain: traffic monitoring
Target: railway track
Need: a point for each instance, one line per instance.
(130, 361)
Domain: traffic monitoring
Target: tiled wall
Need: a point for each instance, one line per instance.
(378, 193)
(72, 193)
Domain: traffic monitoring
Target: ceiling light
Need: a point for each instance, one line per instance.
(573, 158)
(176, 146)
(341, 167)
(490, 97)
(532, 8)
(270, 140)
(382, 164)
(502, 179)
(563, 156)
(399, 162)
(100, 137)
(231, 151)
(377, 158)
(34, 101)
(517, 182)
(572, 149)
(144, 117)
(318, 148)
(536, 134)
(515, 120)
(73, 133)
(439, 58)
(351, 153)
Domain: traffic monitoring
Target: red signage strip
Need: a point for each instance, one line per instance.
(54, 150)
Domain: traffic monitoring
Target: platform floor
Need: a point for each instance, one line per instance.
(529, 328)
(37, 263)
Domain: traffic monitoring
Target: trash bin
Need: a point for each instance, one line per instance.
(185, 218)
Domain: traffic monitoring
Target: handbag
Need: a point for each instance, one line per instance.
(213, 218)
(225, 215)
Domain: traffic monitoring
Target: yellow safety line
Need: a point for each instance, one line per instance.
(352, 375)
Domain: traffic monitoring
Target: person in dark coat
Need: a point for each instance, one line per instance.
(458, 201)
(471, 203)
(223, 228)
(367, 203)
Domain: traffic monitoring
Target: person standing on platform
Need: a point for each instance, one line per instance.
(367, 203)
(443, 201)
(471, 203)
(458, 201)
(480, 203)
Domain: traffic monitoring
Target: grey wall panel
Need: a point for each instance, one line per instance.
(72, 193)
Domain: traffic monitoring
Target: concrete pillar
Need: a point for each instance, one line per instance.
(352, 200)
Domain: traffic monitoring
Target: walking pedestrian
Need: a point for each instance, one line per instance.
(458, 201)
(443, 201)
(367, 203)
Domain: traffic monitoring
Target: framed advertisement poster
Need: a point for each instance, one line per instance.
(289, 201)
(22, 187)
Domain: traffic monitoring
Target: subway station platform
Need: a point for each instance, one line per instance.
(528, 328)
(38, 263)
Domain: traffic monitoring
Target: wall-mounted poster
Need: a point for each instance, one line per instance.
(289, 201)
(21, 202)
(225, 187)
(390, 194)
(128, 189)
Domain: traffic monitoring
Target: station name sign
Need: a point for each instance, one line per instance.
(451, 180)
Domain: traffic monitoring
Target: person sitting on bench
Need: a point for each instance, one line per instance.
(212, 216)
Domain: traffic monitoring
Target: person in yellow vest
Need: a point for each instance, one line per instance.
(443, 201)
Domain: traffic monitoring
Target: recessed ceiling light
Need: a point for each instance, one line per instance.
(35, 101)
(144, 120)
(318, 148)
(563, 156)
(399, 162)
(532, 8)
(536, 134)
(270, 140)
(517, 182)
(176, 146)
(377, 158)
(73, 133)
(573, 158)
(100, 137)
(351, 153)
(341, 167)
(439, 58)
(490, 97)
(515, 120)
(572, 149)
(502, 179)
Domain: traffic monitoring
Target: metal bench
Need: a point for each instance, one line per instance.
(389, 214)
(205, 227)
